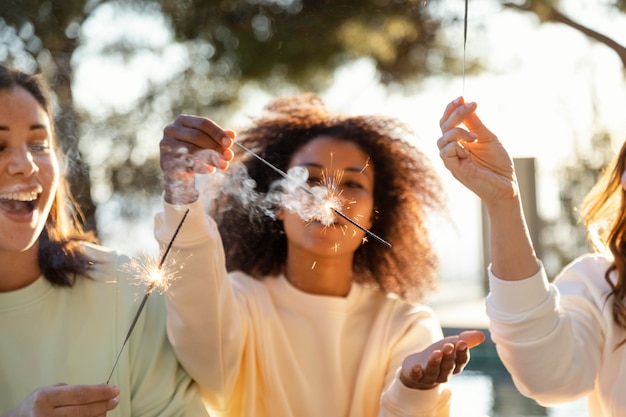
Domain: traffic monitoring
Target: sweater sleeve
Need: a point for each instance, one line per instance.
(549, 336)
(203, 322)
(397, 399)
(401, 401)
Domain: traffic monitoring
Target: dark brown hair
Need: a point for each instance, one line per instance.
(61, 257)
(604, 213)
(406, 187)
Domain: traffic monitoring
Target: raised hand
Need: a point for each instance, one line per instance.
(192, 145)
(475, 156)
(68, 401)
(477, 159)
(437, 363)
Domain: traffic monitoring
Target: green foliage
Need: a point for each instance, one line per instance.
(565, 237)
(309, 38)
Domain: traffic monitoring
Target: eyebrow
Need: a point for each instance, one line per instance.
(360, 170)
(36, 126)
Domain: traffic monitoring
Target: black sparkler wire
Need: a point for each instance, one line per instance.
(309, 191)
(464, 41)
(169, 246)
(146, 295)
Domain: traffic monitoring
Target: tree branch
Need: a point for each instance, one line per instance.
(548, 13)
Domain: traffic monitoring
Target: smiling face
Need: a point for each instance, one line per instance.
(342, 167)
(29, 172)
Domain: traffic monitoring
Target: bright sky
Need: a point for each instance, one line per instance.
(547, 90)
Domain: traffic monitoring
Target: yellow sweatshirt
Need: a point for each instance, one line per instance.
(266, 349)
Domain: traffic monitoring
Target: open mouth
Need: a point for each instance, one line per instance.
(18, 202)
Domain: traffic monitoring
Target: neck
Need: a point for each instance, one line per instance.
(18, 269)
(322, 275)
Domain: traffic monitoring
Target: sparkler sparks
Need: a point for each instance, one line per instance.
(328, 200)
(155, 277)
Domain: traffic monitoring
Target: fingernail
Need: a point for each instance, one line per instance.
(226, 141)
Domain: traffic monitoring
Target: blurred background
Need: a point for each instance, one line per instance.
(548, 77)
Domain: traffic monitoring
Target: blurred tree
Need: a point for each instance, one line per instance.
(277, 44)
(304, 41)
(548, 12)
(564, 238)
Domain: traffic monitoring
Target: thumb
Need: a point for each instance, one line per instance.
(231, 133)
(473, 338)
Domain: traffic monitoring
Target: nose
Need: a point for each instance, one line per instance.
(21, 162)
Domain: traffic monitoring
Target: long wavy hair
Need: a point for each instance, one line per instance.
(61, 257)
(406, 188)
(604, 214)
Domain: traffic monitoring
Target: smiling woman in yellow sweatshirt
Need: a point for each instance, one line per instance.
(314, 316)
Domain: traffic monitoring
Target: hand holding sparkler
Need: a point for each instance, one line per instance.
(192, 145)
(85, 400)
(154, 277)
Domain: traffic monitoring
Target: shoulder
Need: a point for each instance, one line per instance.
(107, 263)
(117, 272)
(588, 266)
(244, 281)
(586, 274)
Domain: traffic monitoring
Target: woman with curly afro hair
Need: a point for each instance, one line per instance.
(289, 300)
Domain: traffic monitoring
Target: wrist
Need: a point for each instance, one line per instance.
(180, 191)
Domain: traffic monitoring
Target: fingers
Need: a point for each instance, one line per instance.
(440, 365)
(461, 357)
(195, 144)
(198, 131)
(442, 359)
(473, 338)
(450, 144)
(95, 409)
(450, 108)
(458, 112)
(82, 394)
(455, 113)
(71, 400)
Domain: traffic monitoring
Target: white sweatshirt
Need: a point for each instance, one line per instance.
(263, 348)
(560, 341)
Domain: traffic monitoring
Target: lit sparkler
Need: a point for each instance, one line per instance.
(155, 277)
(330, 204)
